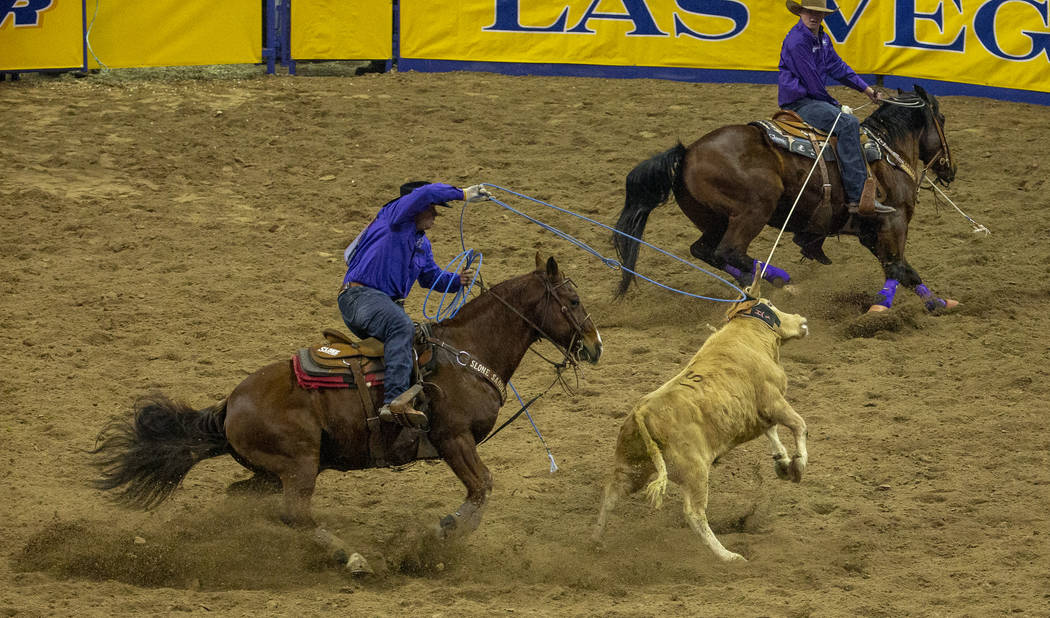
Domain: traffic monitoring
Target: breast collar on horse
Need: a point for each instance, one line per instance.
(463, 358)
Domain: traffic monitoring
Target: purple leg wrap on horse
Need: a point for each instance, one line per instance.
(932, 302)
(733, 270)
(886, 294)
(772, 273)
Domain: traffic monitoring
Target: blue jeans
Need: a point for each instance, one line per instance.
(821, 115)
(368, 312)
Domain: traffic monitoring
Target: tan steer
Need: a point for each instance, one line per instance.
(732, 391)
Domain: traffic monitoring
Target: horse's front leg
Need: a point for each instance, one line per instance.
(461, 454)
(885, 239)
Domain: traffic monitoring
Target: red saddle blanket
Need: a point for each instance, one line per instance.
(305, 380)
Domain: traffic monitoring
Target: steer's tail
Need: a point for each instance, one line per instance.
(656, 488)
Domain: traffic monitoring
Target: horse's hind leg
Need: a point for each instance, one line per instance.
(298, 480)
(704, 247)
(733, 247)
(262, 482)
(712, 227)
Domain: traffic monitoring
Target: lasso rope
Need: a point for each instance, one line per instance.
(977, 227)
(466, 258)
(462, 261)
(610, 262)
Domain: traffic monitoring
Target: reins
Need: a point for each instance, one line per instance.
(943, 156)
(522, 409)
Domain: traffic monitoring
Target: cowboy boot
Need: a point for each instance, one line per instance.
(868, 205)
(400, 410)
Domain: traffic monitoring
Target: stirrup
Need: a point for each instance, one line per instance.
(400, 410)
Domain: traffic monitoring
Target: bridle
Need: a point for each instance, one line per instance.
(549, 293)
(463, 358)
(943, 156)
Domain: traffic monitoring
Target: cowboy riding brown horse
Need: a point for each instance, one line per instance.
(734, 180)
(287, 434)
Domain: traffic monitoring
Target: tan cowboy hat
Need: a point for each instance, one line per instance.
(820, 6)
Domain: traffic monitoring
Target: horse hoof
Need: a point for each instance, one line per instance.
(877, 308)
(950, 304)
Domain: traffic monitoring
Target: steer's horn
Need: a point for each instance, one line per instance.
(754, 290)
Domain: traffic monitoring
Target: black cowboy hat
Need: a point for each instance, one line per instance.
(409, 187)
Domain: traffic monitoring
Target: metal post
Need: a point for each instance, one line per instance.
(269, 51)
(286, 34)
(396, 32)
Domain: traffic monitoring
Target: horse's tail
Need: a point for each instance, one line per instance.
(648, 185)
(149, 454)
(656, 488)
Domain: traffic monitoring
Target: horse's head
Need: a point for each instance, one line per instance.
(933, 143)
(562, 318)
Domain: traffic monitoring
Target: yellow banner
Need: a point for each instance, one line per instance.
(41, 34)
(1002, 43)
(342, 30)
(134, 33)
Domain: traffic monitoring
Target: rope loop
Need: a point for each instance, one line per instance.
(609, 261)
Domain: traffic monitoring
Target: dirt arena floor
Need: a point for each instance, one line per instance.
(176, 234)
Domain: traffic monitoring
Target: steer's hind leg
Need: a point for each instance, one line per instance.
(629, 475)
(694, 481)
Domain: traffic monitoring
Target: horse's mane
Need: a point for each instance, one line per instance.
(474, 305)
(895, 122)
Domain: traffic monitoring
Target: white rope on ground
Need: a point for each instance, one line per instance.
(977, 227)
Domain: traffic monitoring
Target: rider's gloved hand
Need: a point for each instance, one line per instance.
(476, 193)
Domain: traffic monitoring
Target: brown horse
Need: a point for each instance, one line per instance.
(733, 181)
(287, 434)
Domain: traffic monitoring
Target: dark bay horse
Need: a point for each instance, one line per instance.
(286, 434)
(733, 181)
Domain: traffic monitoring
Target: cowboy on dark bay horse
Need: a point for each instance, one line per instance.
(807, 59)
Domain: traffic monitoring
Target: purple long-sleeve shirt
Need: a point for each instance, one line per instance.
(391, 255)
(805, 65)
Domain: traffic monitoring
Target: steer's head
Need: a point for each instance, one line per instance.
(785, 325)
